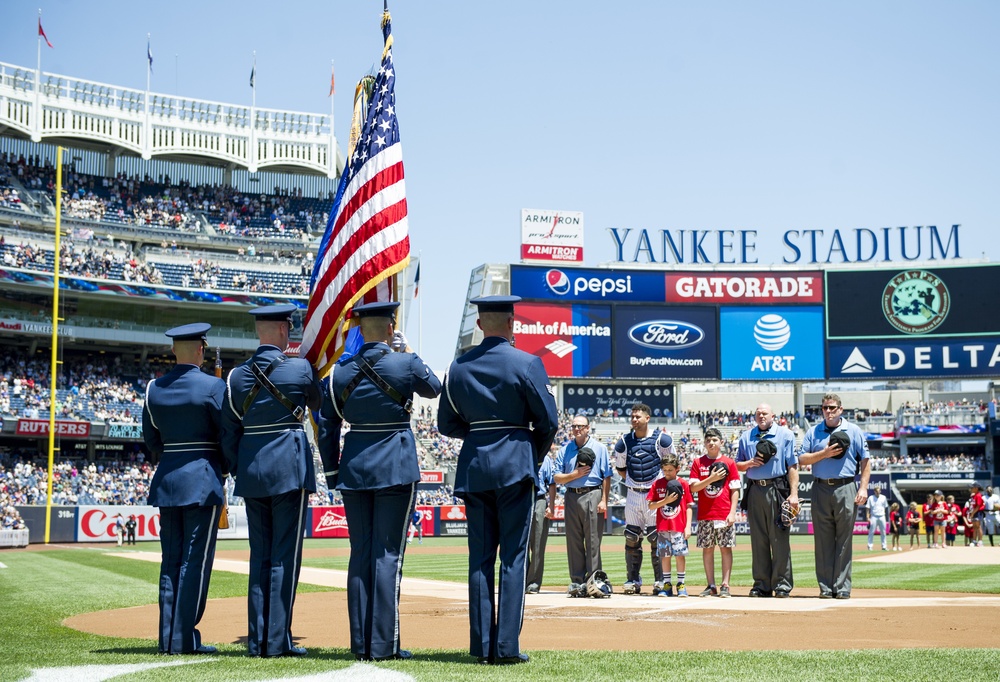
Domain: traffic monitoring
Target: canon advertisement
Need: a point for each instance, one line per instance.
(941, 302)
(659, 342)
(782, 343)
(750, 288)
(921, 357)
(591, 400)
(571, 340)
(586, 284)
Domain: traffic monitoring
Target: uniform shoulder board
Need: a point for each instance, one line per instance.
(552, 391)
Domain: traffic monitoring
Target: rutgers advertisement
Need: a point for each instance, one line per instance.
(64, 429)
(571, 340)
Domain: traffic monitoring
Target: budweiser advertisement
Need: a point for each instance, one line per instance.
(328, 522)
(64, 429)
(573, 340)
(551, 236)
(97, 523)
(744, 287)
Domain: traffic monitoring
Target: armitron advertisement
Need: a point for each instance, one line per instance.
(659, 342)
(571, 340)
(772, 342)
(551, 236)
(918, 302)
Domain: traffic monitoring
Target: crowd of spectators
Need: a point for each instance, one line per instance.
(23, 482)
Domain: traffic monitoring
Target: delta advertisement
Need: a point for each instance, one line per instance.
(571, 340)
(660, 342)
(921, 357)
(780, 343)
(590, 400)
(919, 302)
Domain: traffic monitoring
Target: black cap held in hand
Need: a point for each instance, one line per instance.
(585, 457)
(841, 439)
(674, 486)
(766, 449)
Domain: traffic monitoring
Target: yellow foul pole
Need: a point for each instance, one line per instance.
(54, 366)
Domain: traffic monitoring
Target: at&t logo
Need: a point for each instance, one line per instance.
(772, 332)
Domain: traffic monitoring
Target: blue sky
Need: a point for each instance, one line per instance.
(764, 116)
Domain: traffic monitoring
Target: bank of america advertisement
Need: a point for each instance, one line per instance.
(910, 357)
(780, 343)
(665, 342)
(549, 236)
(597, 285)
(571, 340)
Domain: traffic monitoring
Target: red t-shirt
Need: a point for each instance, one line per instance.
(894, 522)
(714, 501)
(913, 519)
(954, 513)
(978, 504)
(928, 510)
(940, 511)
(671, 517)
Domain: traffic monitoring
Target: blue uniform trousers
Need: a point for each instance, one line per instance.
(377, 521)
(187, 543)
(498, 518)
(276, 525)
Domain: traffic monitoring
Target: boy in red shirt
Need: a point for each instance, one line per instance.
(978, 513)
(672, 497)
(717, 482)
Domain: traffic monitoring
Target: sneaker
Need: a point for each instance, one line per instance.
(884, 548)
(657, 588)
(532, 589)
(667, 591)
(632, 587)
(709, 591)
(869, 548)
(724, 592)
(681, 590)
(576, 590)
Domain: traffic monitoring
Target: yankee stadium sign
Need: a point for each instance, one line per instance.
(732, 247)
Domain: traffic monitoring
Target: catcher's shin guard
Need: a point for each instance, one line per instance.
(654, 554)
(633, 552)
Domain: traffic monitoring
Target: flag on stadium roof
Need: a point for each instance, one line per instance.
(331, 81)
(366, 241)
(41, 31)
(149, 52)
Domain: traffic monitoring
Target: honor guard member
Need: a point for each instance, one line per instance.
(584, 467)
(766, 453)
(637, 459)
(377, 473)
(267, 398)
(838, 452)
(500, 401)
(545, 506)
(181, 421)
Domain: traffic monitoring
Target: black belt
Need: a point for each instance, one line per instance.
(835, 481)
(583, 489)
(638, 490)
(764, 482)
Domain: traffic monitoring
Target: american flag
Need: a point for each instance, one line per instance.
(366, 241)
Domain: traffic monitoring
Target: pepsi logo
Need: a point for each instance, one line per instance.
(666, 334)
(557, 281)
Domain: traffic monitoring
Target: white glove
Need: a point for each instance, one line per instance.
(398, 342)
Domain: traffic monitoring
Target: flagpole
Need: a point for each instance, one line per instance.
(147, 146)
(36, 123)
(253, 115)
(420, 309)
(333, 135)
(54, 365)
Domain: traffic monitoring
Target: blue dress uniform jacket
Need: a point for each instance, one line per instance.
(378, 474)
(499, 400)
(268, 452)
(181, 419)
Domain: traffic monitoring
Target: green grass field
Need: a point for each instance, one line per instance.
(40, 589)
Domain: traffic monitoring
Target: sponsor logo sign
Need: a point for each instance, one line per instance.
(452, 512)
(571, 340)
(749, 287)
(97, 523)
(328, 522)
(129, 431)
(586, 284)
(772, 342)
(663, 342)
(432, 477)
(551, 235)
(946, 302)
(64, 429)
(914, 357)
(590, 399)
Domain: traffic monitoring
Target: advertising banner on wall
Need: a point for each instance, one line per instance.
(590, 400)
(571, 340)
(885, 303)
(64, 429)
(551, 235)
(771, 342)
(750, 288)
(452, 520)
(660, 342)
(599, 285)
(327, 522)
(914, 357)
(97, 523)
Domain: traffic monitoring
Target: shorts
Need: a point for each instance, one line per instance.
(709, 536)
(939, 524)
(671, 543)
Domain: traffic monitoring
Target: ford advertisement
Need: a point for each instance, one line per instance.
(782, 343)
(665, 342)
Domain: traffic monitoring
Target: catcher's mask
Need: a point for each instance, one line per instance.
(598, 585)
(788, 514)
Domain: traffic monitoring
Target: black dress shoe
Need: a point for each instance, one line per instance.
(401, 655)
(362, 657)
(484, 660)
(826, 595)
(205, 649)
(782, 595)
(842, 595)
(294, 651)
(511, 660)
(759, 593)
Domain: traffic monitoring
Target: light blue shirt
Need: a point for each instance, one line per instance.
(601, 469)
(777, 466)
(847, 466)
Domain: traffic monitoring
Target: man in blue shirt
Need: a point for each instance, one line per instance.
(838, 452)
(545, 506)
(766, 453)
(584, 467)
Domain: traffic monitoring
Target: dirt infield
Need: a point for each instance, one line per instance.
(435, 615)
